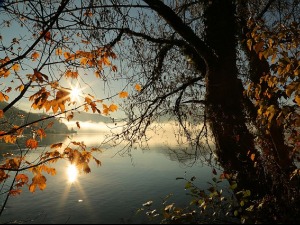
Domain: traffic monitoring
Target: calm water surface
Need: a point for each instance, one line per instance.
(111, 193)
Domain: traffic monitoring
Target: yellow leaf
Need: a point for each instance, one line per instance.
(15, 67)
(20, 88)
(123, 94)
(138, 87)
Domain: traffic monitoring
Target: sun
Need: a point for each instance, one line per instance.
(75, 93)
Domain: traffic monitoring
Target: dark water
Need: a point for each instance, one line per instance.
(111, 193)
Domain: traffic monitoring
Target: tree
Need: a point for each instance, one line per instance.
(226, 70)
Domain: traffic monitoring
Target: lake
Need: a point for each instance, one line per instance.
(111, 193)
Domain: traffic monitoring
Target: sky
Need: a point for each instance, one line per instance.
(88, 83)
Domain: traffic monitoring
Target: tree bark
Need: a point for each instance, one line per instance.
(234, 143)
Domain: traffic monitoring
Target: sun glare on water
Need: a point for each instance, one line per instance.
(72, 173)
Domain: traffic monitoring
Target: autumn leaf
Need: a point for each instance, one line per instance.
(8, 90)
(47, 36)
(41, 133)
(57, 145)
(98, 74)
(297, 99)
(31, 143)
(20, 88)
(3, 97)
(83, 61)
(106, 61)
(252, 157)
(98, 162)
(15, 192)
(138, 87)
(22, 177)
(37, 74)
(1, 113)
(113, 107)
(35, 56)
(123, 94)
(15, 67)
(77, 124)
(58, 51)
(114, 68)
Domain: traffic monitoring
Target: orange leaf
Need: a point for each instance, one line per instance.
(32, 187)
(41, 133)
(31, 143)
(58, 51)
(106, 61)
(113, 107)
(97, 74)
(57, 145)
(35, 56)
(15, 67)
(83, 61)
(77, 124)
(67, 55)
(1, 113)
(3, 97)
(14, 192)
(138, 87)
(123, 94)
(22, 177)
(252, 157)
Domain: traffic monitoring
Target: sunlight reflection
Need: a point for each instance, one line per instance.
(72, 173)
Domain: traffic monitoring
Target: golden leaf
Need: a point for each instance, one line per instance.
(138, 87)
(297, 99)
(58, 51)
(35, 56)
(123, 94)
(113, 107)
(31, 143)
(15, 67)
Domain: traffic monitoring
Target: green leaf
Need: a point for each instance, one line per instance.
(188, 185)
(236, 213)
(233, 186)
(247, 193)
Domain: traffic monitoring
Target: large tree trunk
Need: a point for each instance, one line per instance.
(234, 143)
